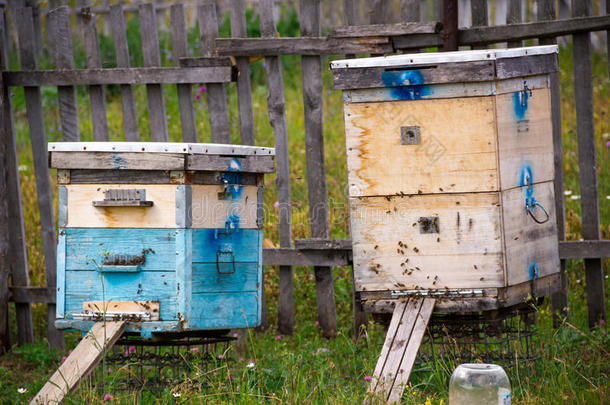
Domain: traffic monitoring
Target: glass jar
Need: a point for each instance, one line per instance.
(479, 384)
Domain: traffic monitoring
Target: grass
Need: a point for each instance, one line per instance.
(306, 368)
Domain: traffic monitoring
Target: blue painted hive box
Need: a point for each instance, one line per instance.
(450, 172)
(165, 235)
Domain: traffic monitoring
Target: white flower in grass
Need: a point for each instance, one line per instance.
(567, 192)
(177, 394)
(22, 390)
(575, 197)
(250, 365)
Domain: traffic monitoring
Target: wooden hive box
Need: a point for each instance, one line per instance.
(166, 235)
(450, 170)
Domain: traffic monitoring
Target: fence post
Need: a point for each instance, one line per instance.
(244, 89)
(33, 101)
(559, 300)
(587, 165)
(119, 36)
(450, 25)
(313, 99)
(217, 98)
(277, 118)
(5, 118)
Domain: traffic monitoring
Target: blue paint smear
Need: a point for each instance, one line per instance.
(232, 222)
(406, 84)
(527, 179)
(119, 162)
(520, 103)
(533, 271)
(233, 178)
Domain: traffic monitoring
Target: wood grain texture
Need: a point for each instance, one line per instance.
(587, 165)
(80, 362)
(276, 107)
(244, 164)
(150, 307)
(217, 98)
(35, 116)
(410, 10)
(119, 35)
(99, 119)
(5, 343)
(358, 78)
(117, 161)
(83, 214)
(60, 36)
(525, 137)
(209, 211)
(244, 90)
(392, 253)
(513, 16)
(310, 11)
(185, 95)
(528, 243)
(378, 164)
(152, 58)
(225, 311)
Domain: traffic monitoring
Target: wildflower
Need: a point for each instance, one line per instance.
(220, 357)
(602, 322)
(250, 365)
(575, 197)
(235, 335)
(107, 397)
(317, 323)
(367, 378)
(22, 390)
(201, 89)
(567, 192)
(132, 349)
(177, 394)
(240, 359)
(276, 204)
(197, 96)
(63, 358)
(279, 337)
(608, 144)
(195, 349)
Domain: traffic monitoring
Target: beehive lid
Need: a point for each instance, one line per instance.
(418, 59)
(419, 69)
(162, 147)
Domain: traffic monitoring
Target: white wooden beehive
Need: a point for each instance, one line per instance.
(450, 170)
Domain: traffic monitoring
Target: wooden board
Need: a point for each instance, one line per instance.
(151, 307)
(457, 152)
(525, 137)
(80, 362)
(117, 161)
(391, 252)
(251, 164)
(210, 211)
(407, 327)
(528, 243)
(81, 213)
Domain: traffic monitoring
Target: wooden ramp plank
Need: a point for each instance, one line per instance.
(403, 339)
(81, 362)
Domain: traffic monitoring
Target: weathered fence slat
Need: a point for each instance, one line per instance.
(587, 165)
(559, 300)
(410, 10)
(277, 118)
(152, 57)
(244, 89)
(316, 173)
(119, 35)
(5, 121)
(479, 12)
(185, 95)
(33, 101)
(450, 25)
(61, 37)
(217, 98)
(513, 16)
(99, 118)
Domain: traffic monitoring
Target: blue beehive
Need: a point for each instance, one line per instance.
(165, 235)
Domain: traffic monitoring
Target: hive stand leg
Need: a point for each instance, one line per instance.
(81, 362)
(407, 327)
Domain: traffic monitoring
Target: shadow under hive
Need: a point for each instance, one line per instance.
(505, 337)
(134, 364)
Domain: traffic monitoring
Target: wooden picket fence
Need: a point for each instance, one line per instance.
(376, 38)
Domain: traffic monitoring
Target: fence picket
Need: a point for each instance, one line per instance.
(513, 16)
(33, 101)
(185, 95)
(217, 98)
(244, 90)
(559, 300)
(152, 58)
(478, 10)
(587, 163)
(410, 10)
(60, 35)
(119, 35)
(97, 95)
(277, 118)
(316, 173)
